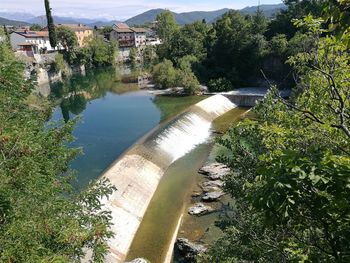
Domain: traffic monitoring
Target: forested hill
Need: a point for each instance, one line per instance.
(181, 18)
(4, 21)
(268, 10)
(209, 16)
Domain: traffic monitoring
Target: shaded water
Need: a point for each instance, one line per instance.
(113, 116)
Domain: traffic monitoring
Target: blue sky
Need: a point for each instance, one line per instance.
(121, 9)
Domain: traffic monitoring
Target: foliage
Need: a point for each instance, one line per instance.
(291, 166)
(50, 25)
(96, 52)
(219, 85)
(35, 27)
(237, 48)
(149, 55)
(41, 218)
(189, 40)
(166, 26)
(133, 55)
(164, 75)
(67, 38)
(60, 64)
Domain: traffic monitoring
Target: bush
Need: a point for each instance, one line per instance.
(188, 80)
(219, 85)
(60, 64)
(164, 75)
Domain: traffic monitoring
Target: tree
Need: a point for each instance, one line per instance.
(133, 55)
(164, 75)
(189, 40)
(291, 166)
(67, 38)
(35, 27)
(42, 219)
(50, 25)
(166, 26)
(98, 52)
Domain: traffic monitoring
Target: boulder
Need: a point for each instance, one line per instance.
(215, 171)
(200, 209)
(189, 250)
(212, 186)
(196, 194)
(212, 196)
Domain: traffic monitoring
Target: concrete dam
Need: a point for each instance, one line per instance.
(137, 173)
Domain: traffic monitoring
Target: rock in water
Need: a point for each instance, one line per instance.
(212, 196)
(215, 171)
(200, 209)
(189, 250)
(212, 186)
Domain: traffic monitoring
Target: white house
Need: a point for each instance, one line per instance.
(38, 41)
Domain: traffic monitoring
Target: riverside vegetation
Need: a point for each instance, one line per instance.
(41, 218)
(290, 163)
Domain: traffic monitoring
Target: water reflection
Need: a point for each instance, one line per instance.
(73, 95)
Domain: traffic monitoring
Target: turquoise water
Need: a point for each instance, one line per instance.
(113, 116)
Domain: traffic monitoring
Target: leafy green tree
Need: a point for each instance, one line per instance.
(133, 55)
(164, 75)
(235, 51)
(149, 56)
(219, 85)
(166, 26)
(35, 27)
(50, 25)
(67, 38)
(189, 40)
(42, 219)
(291, 166)
(98, 52)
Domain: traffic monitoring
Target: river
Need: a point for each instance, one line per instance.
(112, 116)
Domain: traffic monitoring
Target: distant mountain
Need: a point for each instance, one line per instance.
(41, 20)
(181, 18)
(103, 23)
(19, 16)
(268, 10)
(8, 22)
(209, 16)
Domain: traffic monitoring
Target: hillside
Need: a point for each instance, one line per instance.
(181, 18)
(8, 22)
(209, 16)
(268, 10)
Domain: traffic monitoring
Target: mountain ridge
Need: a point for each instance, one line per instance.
(17, 18)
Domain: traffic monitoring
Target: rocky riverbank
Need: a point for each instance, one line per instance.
(206, 199)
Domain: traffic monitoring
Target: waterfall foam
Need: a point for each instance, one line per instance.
(137, 174)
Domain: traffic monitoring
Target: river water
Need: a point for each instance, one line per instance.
(112, 116)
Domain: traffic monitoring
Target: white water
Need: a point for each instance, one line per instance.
(137, 174)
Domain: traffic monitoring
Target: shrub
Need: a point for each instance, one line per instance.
(164, 75)
(219, 85)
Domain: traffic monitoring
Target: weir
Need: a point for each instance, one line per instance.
(136, 175)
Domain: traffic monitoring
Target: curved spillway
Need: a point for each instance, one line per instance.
(137, 174)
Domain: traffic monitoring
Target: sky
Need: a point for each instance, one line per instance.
(121, 9)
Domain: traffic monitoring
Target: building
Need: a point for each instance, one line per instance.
(128, 37)
(81, 31)
(31, 41)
